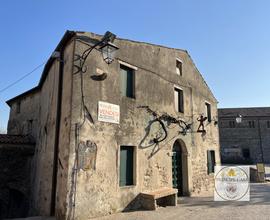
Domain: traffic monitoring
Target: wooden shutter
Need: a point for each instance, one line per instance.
(127, 82)
(211, 161)
(130, 83)
(123, 81)
(176, 100)
(181, 101)
(208, 112)
(126, 166)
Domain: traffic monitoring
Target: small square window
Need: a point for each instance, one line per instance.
(251, 124)
(246, 153)
(179, 100)
(232, 124)
(179, 66)
(268, 124)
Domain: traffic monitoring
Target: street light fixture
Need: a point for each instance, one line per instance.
(105, 46)
(238, 119)
(108, 52)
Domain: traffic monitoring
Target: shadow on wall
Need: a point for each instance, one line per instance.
(134, 205)
(14, 183)
(14, 205)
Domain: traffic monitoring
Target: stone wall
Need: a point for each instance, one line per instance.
(25, 122)
(39, 107)
(43, 159)
(15, 166)
(244, 136)
(64, 136)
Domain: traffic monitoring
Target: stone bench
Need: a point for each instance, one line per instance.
(160, 197)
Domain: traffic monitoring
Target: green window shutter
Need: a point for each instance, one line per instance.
(130, 83)
(213, 160)
(181, 101)
(123, 158)
(126, 166)
(123, 81)
(209, 162)
(208, 112)
(127, 81)
(176, 99)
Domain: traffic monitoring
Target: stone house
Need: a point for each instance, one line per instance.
(105, 133)
(248, 141)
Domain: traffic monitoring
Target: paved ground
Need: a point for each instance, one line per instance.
(204, 208)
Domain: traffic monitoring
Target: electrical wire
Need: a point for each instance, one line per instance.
(20, 79)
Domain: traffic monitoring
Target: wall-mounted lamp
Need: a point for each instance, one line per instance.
(105, 46)
(108, 52)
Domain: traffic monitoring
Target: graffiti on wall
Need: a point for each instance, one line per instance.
(87, 153)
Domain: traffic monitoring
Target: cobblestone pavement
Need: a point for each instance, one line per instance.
(204, 208)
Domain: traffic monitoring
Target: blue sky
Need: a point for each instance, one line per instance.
(227, 39)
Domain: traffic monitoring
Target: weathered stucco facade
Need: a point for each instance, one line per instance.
(248, 141)
(65, 105)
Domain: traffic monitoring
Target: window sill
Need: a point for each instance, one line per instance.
(128, 98)
(127, 187)
(179, 113)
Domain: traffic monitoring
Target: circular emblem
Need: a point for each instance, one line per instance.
(231, 183)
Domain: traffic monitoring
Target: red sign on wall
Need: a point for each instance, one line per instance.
(108, 112)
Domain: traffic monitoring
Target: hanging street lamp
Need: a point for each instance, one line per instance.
(108, 52)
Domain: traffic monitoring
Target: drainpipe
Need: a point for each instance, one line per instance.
(57, 132)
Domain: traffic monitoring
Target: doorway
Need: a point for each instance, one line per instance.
(180, 168)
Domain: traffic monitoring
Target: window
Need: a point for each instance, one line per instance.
(29, 126)
(268, 124)
(246, 153)
(208, 111)
(251, 124)
(126, 166)
(232, 124)
(211, 161)
(179, 100)
(179, 65)
(127, 81)
(18, 107)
